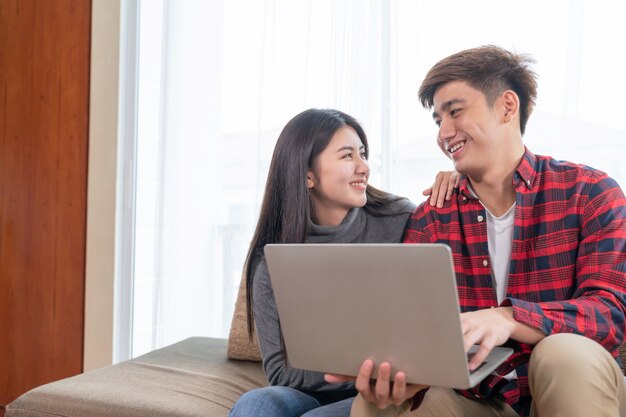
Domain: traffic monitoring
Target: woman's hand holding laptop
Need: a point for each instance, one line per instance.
(382, 391)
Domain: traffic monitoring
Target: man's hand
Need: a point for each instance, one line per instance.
(488, 328)
(442, 189)
(382, 392)
(493, 327)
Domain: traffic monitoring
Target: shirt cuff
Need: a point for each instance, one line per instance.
(529, 313)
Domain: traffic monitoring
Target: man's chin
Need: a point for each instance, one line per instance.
(459, 167)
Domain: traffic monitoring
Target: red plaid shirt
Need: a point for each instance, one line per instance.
(567, 272)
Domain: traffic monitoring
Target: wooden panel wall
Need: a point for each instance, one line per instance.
(44, 97)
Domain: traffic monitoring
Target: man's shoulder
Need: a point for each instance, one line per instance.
(426, 212)
(550, 165)
(578, 179)
(432, 224)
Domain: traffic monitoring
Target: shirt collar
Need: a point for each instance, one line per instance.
(349, 229)
(526, 171)
(524, 176)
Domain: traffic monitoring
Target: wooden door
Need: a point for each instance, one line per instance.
(44, 108)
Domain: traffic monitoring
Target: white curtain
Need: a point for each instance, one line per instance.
(219, 79)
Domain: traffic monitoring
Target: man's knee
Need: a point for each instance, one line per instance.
(572, 375)
(569, 354)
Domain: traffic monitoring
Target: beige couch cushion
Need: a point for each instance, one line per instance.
(239, 344)
(189, 378)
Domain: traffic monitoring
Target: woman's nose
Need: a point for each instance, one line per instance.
(363, 167)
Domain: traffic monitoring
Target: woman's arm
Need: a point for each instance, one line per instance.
(268, 332)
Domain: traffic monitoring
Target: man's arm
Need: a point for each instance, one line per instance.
(596, 309)
(598, 303)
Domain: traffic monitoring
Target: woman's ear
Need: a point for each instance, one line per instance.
(510, 105)
(309, 179)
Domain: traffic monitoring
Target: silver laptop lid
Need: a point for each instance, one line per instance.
(342, 303)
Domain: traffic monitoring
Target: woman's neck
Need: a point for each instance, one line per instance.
(329, 217)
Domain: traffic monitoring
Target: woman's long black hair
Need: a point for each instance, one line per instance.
(286, 208)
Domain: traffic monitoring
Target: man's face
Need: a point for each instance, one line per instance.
(469, 132)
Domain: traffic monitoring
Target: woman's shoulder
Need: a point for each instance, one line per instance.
(403, 205)
(388, 224)
(394, 207)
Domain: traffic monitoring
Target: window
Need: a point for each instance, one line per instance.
(217, 81)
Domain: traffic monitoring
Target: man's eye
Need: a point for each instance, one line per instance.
(438, 123)
(454, 112)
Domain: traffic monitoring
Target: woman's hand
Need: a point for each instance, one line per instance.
(442, 189)
(383, 392)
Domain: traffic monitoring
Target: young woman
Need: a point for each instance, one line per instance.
(316, 192)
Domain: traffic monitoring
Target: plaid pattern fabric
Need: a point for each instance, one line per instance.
(568, 261)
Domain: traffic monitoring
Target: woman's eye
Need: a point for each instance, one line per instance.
(363, 156)
(347, 156)
(438, 123)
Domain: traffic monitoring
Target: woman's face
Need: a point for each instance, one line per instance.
(338, 179)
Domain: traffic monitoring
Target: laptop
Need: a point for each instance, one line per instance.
(342, 303)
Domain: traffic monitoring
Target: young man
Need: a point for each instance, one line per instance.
(540, 253)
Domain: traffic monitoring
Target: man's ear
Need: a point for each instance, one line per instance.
(510, 105)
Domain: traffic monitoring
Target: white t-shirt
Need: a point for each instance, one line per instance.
(500, 241)
(500, 237)
(500, 244)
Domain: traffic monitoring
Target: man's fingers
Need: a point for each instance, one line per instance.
(486, 346)
(471, 337)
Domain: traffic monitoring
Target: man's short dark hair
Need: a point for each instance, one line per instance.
(490, 70)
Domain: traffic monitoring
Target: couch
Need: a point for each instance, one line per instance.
(198, 376)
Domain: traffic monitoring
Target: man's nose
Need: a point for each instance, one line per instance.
(446, 130)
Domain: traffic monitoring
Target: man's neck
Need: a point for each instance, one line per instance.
(497, 198)
(494, 188)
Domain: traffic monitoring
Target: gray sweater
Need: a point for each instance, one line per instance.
(357, 227)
